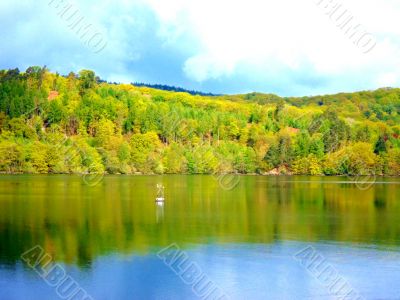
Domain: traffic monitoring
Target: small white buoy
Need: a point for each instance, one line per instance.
(160, 193)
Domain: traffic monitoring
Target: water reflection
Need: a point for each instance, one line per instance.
(76, 223)
(159, 211)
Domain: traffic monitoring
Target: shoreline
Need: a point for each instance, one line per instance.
(188, 174)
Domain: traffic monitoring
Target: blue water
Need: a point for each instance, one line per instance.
(240, 271)
(270, 238)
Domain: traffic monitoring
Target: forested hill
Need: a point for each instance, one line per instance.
(382, 104)
(172, 89)
(78, 124)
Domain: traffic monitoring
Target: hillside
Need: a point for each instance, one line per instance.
(79, 124)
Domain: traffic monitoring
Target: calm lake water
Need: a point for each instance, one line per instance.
(269, 238)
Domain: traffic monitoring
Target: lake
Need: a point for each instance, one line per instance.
(268, 238)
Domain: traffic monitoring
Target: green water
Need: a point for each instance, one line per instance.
(81, 225)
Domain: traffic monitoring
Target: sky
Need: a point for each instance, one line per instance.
(286, 47)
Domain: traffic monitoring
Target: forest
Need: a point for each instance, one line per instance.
(79, 124)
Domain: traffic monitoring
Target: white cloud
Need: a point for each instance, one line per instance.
(204, 66)
(285, 33)
(388, 79)
(285, 46)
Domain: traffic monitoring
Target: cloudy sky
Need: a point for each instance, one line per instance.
(287, 47)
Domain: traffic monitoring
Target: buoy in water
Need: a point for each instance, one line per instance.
(160, 193)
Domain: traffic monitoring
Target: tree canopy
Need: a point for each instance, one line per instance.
(81, 124)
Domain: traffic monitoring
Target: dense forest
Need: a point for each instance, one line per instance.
(79, 124)
(172, 89)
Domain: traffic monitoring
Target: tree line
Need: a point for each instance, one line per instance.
(80, 124)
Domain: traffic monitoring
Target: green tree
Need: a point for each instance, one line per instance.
(280, 153)
(174, 159)
(142, 148)
(380, 145)
(87, 80)
(307, 166)
(11, 157)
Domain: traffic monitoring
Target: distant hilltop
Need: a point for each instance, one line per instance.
(173, 89)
